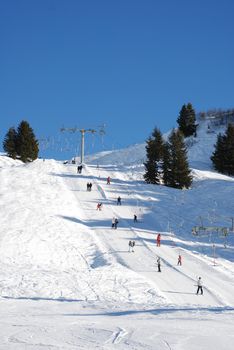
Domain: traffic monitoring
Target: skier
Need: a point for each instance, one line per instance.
(113, 222)
(116, 223)
(159, 264)
(131, 245)
(79, 169)
(135, 218)
(99, 206)
(158, 240)
(199, 286)
(179, 260)
(90, 186)
(108, 180)
(119, 200)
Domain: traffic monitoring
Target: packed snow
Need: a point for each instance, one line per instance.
(68, 279)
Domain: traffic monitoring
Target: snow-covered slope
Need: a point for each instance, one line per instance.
(68, 280)
(200, 149)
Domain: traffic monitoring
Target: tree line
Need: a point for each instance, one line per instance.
(166, 161)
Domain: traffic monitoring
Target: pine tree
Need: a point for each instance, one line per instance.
(223, 155)
(166, 166)
(179, 175)
(154, 153)
(9, 143)
(151, 174)
(27, 145)
(187, 120)
(219, 154)
(230, 150)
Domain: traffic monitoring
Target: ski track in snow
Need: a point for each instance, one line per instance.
(100, 195)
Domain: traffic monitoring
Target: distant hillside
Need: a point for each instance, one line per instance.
(200, 148)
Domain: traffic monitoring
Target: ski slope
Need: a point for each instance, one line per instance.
(68, 281)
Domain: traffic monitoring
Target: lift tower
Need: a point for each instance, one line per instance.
(83, 131)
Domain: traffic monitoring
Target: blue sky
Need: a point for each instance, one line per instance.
(130, 64)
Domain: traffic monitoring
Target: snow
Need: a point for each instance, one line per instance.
(67, 279)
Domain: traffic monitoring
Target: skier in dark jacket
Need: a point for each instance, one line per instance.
(119, 200)
(159, 264)
(116, 223)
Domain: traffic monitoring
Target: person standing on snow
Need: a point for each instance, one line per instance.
(179, 260)
(159, 264)
(108, 180)
(131, 245)
(158, 240)
(113, 222)
(199, 286)
(135, 218)
(119, 200)
(116, 223)
(99, 206)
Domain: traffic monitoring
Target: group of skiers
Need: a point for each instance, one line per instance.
(179, 262)
(131, 243)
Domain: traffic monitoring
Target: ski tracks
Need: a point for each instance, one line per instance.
(118, 336)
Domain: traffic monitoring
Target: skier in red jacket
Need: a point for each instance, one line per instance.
(158, 240)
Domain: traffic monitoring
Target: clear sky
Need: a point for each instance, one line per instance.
(130, 64)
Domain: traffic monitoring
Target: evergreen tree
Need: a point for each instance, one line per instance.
(154, 153)
(166, 165)
(187, 120)
(230, 150)
(27, 145)
(151, 174)
(9, 143)
(179, 174)
(219, 154)
(223, 155)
